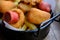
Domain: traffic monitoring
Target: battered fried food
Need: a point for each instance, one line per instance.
(6, 5)
(2, 0)
(11, 0)
(24, 7)
(31, 2)
(14, 0)
(37, 16)
(21, 19)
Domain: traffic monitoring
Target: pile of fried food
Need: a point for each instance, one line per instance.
(25, 14)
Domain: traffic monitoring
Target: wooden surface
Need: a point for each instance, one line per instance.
(54, 33)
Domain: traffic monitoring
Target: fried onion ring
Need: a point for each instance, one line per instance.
(21, 18)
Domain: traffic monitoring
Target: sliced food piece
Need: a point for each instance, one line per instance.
(24, 28)
(11, 17)
(24, 7)
(30, 25)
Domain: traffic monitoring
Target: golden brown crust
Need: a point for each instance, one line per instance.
(6, 5)
(24, 7)
(11, 0)
(21, 18)
(31, 2)
(14, 0)
(2, 0)
(37, 16)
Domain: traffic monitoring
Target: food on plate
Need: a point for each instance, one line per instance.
(21, 18)
(24, 15)
(24, 28)
(14, 0)
(30, 25)
(2, 0)
(10, 0)
(24, 7)
(11, 17)
(6, 5)
(44, 6)
(37, 16)
(20, 22)
(31, 2)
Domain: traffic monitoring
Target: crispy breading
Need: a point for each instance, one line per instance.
(21, 18)
(32, 2)
(37, 16)
(24, 7)
(6, 5)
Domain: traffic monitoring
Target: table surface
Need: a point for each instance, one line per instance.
(54, 33)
